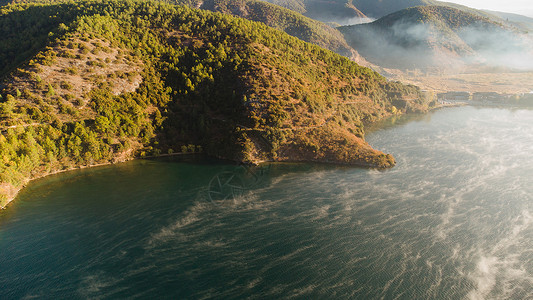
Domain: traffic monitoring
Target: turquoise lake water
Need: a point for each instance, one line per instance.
(453, 220)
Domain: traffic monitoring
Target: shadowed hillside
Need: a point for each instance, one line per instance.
(337, 11)
(293, 23)
(280, 18)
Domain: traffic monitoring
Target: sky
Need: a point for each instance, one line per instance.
(522, 7)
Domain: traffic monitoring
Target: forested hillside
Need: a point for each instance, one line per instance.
(291, 22)
(280, 18)
(92, 82)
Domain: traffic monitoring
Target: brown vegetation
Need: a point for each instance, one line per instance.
(60, 78)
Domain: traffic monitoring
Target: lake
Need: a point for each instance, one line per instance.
(453, 220)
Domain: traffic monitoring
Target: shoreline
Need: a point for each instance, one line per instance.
(12, 192)
(15, 191)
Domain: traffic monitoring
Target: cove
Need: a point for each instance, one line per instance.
(452, 220)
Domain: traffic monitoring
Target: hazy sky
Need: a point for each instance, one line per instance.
(523, 7)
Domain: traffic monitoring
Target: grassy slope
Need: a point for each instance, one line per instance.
(237, 89)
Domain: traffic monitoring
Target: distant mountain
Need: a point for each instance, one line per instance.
(350, 12)
(519, 21)
(377, 9)
(440, 37)
(295, 5)
(381, 8)
(338, 11)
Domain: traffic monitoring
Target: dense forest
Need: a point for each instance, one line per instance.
(92, 82)
(277, 17)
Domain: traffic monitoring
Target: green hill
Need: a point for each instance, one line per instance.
(280, 18)
(93, 82)
(435, 36)
(293, 23)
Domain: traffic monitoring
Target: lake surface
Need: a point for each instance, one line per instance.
(453, 220)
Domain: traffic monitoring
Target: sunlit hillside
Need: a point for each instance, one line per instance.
(100, 81)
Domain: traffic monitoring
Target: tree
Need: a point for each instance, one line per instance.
(102, 124)
(50, 92)
(6, 108)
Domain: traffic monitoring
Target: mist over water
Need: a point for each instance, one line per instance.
(453, 220)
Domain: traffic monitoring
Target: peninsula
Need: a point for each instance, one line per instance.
(94, 82)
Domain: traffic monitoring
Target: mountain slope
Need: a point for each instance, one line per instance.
(378, 9)
(274, 16)
(104, 81)
(338, 11)
(350, 12)
(436, 36)
(280, 18)
(521, 22)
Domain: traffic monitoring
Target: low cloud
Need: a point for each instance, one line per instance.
(500, 48)
(408, 45)
(353, 21)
